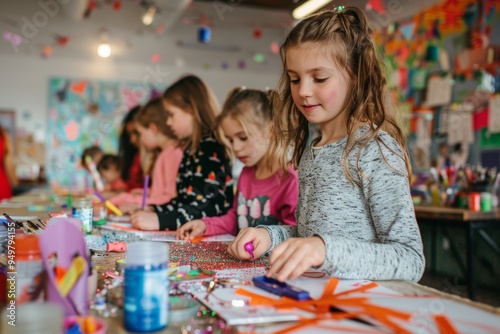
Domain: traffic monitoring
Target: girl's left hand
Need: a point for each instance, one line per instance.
(293, 257)
(143, 220)
(129, 208)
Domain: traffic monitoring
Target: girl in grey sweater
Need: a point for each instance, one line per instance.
(355, 217)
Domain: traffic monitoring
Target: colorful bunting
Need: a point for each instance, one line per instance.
(376, 5)
(408, 30)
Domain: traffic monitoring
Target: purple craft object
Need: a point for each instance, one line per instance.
(249, 248)
(101, 197)
(64, 238)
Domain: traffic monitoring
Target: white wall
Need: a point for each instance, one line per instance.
(24, 82)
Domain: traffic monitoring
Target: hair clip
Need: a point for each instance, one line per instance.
(338, 8)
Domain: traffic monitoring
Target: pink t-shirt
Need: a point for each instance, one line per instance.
(269, 201)
(163, 186)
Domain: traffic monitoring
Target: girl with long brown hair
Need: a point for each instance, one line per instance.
(355, 216)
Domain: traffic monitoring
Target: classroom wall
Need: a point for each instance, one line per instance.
(24, 82)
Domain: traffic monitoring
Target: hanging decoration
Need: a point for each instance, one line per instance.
(275, 48)
(257, 33)
(62, 40)
(13, 38)
(407, 30)
(224, 65)
(259, 58)
(92, 5)
(46, 52)
(204, 34)
(376, 5)
(242, 64)
(155, 58)
(117, 5)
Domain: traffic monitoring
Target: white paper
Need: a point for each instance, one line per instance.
(460, 128)
(494, 116)
(438, 91)
(444, 60)
(423, 144)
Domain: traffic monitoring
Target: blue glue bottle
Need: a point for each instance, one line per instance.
(146, 287)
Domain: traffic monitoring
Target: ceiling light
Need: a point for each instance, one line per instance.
(308, 7)
(104, 50)
(149, 16)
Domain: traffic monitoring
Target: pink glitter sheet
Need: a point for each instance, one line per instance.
(209, 256)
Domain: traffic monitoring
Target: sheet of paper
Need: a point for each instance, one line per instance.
(460, 128)
(439, 91)
(494, 116)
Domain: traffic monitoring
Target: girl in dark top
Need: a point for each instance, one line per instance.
(204, 182)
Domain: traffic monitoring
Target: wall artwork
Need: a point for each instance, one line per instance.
(83, 113)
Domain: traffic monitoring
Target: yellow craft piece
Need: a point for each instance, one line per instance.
(113, 208)
(74, 272)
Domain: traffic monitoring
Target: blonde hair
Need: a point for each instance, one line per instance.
(194, 97)
(349, 37)
(248, 106)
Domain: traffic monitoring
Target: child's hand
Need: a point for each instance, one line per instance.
(145, 221)
(258, 236)
(129, 208)
(136, 191)
(192, 229)
(294, 256)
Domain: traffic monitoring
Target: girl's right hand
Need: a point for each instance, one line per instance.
(192, 229)
(258, 236)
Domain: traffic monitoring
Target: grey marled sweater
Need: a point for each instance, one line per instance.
(370, 232)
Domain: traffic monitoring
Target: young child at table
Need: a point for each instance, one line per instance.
(265, 194)
(109, 168)
(94, 152)
(204, 182)
(355, 217)
(154, 133)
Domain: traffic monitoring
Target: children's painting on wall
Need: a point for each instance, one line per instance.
(83, 113)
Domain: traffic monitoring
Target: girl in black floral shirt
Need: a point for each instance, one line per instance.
(204, 182)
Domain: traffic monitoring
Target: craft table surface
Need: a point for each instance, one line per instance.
(105, 263)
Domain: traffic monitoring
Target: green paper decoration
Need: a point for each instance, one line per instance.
(432, 53)
(259, 58)
(418, 79)
(489, 140)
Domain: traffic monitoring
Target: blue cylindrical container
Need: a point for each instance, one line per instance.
(146, 287)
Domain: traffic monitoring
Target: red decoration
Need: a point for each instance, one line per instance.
(117, 4)
(155, 58)
(62, 40)
(376, 5)
(257, 33)
(480, 119)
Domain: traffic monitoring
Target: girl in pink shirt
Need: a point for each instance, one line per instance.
(264, 195)
(155, 134)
